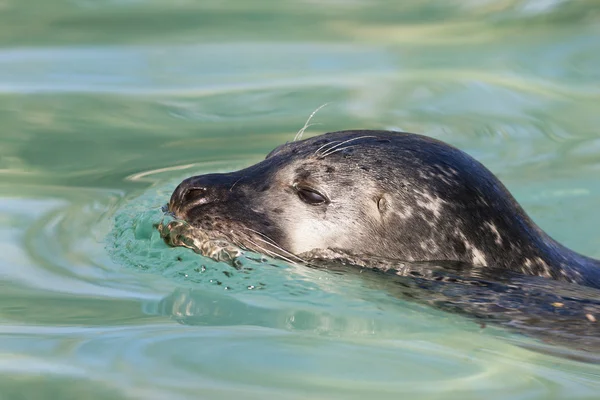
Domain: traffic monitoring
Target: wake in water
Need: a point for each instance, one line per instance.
(554, 312)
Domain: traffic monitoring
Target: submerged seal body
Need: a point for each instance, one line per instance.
(387, 194)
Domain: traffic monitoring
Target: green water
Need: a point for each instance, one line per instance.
(106, 105)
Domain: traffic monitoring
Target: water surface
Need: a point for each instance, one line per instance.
(106, 105)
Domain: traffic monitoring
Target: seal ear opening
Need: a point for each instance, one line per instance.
(383, 204)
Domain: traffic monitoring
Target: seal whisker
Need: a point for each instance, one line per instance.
(327, 152)
(316, 153)
(339, 149)
(306, 127)
(274, 244)
(282, 250)
(272, 253)
(260, 233)
(235, 183)
(268, 252)
(306, 124)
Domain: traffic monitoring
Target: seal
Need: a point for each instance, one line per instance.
(382, 194)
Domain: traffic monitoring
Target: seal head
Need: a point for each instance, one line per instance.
(387, 194)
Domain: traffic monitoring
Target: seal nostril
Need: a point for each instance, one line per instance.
(197, 196)
(194, 194)
(184, 195)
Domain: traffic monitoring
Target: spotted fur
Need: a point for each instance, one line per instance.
(389, 194)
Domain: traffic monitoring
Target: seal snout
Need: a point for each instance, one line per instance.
(198, 191)
(190, 193)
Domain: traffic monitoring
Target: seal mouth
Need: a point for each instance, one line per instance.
(211, 241)
(179, 233)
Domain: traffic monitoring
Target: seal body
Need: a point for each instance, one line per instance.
(386, 194)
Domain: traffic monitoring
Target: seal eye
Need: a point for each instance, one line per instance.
(310, 196)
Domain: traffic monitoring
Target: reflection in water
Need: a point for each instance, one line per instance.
(551, 312)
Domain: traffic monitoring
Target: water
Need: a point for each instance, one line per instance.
(106, 105)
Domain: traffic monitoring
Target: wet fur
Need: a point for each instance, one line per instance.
(395, 195)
